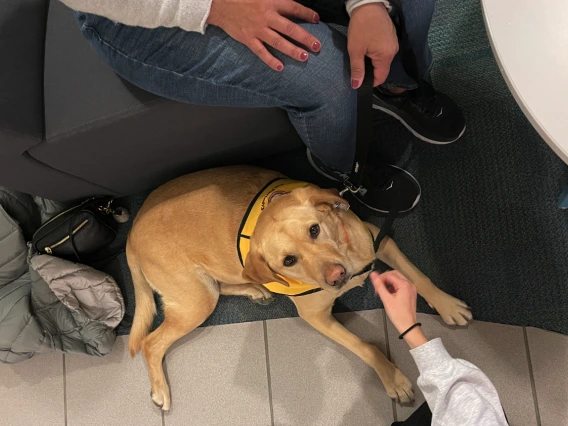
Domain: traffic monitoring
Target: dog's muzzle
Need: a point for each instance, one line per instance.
(335, 275)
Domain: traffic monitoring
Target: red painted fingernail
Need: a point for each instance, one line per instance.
(279, 67)
(354, 83)
(316, 46)
(316, 18)
(304, 56)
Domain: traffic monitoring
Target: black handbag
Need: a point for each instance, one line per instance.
(79, 231)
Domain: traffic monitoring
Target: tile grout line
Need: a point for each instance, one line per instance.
(386, 330)
(531, 376)
(64, 390)
(268, 377)
(165, 368)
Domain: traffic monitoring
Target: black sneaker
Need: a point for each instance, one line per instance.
(433, 118)
(386, 186)
(325, 170)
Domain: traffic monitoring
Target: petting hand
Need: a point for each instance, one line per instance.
(371, 33)
(398, 296)
(255, 22)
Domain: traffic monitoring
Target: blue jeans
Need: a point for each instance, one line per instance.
(213, 69)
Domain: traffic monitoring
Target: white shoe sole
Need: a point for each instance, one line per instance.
(418, 135)
(402, 211)
(317, 169)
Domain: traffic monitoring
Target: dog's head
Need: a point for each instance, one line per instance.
(308, 235)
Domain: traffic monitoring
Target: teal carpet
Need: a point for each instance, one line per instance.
(487, 229)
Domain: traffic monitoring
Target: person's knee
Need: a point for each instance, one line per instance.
(325, 77)
(320, 87)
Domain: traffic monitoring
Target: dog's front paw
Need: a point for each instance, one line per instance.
(398, 387)
(453, 311)
(161, 398)
(261, 295)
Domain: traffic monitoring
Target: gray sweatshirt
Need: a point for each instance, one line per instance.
(189, 15)
(457, 392)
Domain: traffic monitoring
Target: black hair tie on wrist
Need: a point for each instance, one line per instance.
(418, 324)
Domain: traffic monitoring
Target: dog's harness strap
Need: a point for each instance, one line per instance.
(248, 225)
(246, 216)
(305, 293)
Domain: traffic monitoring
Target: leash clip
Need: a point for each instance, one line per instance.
(351, 188)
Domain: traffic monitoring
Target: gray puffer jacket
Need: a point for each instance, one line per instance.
(49, 303)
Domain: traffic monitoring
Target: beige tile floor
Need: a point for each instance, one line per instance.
(282, 373)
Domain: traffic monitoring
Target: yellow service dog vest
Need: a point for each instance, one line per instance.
(256, 207)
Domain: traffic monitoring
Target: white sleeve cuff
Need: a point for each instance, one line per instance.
(431, 355)
(352, 4)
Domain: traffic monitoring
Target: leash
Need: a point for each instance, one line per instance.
(364, 137)
(364, 129)
(364, 126)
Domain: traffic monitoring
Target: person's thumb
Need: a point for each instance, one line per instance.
(357, 59)
(381, 71)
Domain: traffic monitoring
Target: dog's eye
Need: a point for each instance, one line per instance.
(314, 231)
(290, 260)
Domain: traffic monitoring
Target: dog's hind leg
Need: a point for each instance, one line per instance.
(183, 312)
(315, 309)
(255, 292)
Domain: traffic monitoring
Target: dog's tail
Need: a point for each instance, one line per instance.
(145, 309)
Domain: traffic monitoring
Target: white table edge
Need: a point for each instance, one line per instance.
(516, 94)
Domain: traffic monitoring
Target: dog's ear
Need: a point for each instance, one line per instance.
(257, 271)
(276, 195)
(326, 199)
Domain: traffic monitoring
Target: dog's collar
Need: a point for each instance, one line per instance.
(367, 268)
(370, 266)
(387, 224)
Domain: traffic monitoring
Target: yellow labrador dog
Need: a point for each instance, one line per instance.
(193, 235)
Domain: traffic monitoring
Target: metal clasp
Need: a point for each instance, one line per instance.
(351, 188)
(107, 209)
